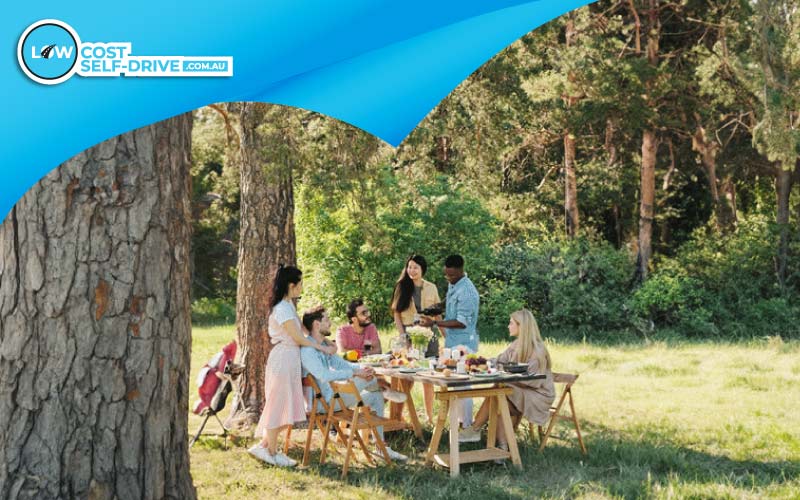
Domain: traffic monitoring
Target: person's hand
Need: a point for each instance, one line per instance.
(327, 349)
(365, 373)
(368, 371)
(425, 321)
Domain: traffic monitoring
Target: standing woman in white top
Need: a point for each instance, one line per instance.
(283, 391)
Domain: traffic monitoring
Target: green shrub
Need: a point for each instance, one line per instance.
(348, 252)
(570, 285)
(498, 300)
(206, 311)
(722, 286)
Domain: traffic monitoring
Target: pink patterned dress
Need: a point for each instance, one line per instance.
(283, 391)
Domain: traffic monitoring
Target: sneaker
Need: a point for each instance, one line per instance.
(282, 460)
(394, 396)
(469, 435)
(394, 455)
(262, 454)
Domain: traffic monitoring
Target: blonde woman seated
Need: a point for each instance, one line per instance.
(532, 398)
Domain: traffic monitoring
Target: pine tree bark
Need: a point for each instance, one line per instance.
(95, 331)
(649, 149)
(783, 190)
(611, 162)
(724, 211)
(570, 186)
(647, 203)
(570, 180)
(267, 239)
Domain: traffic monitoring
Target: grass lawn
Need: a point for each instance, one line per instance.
(680, 420)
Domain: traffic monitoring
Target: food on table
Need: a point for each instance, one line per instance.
(404, 362)
(476, 363)
(352, 355)
(447, 372)
(375, 358)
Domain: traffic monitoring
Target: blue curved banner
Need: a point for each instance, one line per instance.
(77, 73)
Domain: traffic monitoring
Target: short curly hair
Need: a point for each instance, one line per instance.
(352, 306)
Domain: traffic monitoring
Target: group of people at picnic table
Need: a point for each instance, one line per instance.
(301, 348)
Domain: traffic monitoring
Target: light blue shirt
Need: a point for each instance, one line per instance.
(461, 304)
(325, 368)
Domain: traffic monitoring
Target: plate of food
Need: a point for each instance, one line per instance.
(410, 369)
(445, 374)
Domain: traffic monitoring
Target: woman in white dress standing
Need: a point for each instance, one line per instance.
(283, 391)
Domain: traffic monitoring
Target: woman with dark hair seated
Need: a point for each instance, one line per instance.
(283, 389)
(411, 295)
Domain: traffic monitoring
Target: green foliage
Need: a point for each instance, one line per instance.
(575, 286)
(482, 176)
(206, 311)
(215, 208)
(351, 252)
(722, 286)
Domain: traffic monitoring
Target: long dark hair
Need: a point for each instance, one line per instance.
(284, 276)
(404, 290)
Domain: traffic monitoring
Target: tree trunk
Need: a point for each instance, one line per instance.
(570, 186)
(267, 239)
(611, 162)
(649, 149)
(95, 324)
(728, 201)
(647, 202)
(783, 189)
(724, 211)
(570, 182)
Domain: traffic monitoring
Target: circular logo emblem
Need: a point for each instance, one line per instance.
(48, 51)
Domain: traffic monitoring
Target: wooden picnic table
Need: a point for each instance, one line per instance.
(450, 391)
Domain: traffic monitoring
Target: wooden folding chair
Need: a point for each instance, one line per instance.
(357, 419)
(315, 419)
(556, 413)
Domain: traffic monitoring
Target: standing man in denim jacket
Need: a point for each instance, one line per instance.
(459, 325)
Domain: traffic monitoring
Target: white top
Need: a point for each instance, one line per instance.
(281, 313)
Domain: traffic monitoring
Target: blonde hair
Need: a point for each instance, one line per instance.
(530, 340)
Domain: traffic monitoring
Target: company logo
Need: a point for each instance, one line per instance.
(50, 52)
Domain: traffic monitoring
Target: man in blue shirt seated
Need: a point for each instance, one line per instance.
(326, 368)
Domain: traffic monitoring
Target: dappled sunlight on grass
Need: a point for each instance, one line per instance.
(660, 420)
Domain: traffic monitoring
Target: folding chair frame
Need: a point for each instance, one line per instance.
(556, 411)
(208, 412)
(357, 419)
(315, 420)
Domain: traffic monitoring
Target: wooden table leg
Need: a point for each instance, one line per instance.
(508, 427)
(437, 431)
(396, 409)
(412, 410)
(455, 460)
(491, 435)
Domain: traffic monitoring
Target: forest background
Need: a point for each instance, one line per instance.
(623, 173)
